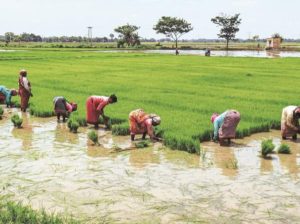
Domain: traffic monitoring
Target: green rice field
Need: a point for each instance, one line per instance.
(183, 90)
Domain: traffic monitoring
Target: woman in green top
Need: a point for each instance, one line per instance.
(6, 94)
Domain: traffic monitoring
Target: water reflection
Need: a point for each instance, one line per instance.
(25, 134)
(61, 171)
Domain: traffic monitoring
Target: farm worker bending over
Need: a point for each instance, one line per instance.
(63, 108)
(24, 90)
(95, 108)
(6, 94)
(225, 125)
(142, 123)
(290, 122)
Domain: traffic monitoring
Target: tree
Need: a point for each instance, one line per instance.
(255, 38)
(172, 27)
(128, 34)
(277, 35)
(229, 26)
(9, 37)
(112, 36)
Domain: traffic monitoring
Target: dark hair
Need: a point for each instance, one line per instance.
(113, 98)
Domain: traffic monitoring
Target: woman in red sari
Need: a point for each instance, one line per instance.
(95, 108)
(24, 90)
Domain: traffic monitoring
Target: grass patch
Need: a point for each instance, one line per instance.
(284, 149)
(267, 147)
(11, 212)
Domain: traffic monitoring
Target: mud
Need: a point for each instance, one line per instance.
(46, 166)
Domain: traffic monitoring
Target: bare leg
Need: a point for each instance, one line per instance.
(64, 118)
(58, 117)
(132, 137)
(144, 136)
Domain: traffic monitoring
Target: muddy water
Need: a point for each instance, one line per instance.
(48, 167)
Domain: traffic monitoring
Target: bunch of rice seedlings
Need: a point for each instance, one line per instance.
(284, 149)
(120, 129)
(1, 112)
(142, 144)
(73, 123)
(17, 120)
(267, 147)
(93, 136)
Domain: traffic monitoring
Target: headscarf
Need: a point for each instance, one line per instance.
(23, 72)
(74, 106)
(13, 92)
(156, 120)
(213, 117)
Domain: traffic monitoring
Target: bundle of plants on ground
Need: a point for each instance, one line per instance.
(142, 144)
(73, 123)
(17, 120)
(11, 212)
(1, 112)
(93, 136)
(284, 149)
(267, 147)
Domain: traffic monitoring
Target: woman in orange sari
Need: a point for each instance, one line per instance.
(143, 123)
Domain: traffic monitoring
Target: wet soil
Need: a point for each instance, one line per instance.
(46, 166)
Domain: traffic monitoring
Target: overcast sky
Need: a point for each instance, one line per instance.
(71, 17)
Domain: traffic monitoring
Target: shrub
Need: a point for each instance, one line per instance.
(284, 149)
(1, 112)
(267, 147)
(93, 136)
(17, 120)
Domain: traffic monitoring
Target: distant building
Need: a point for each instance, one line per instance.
(273, 43)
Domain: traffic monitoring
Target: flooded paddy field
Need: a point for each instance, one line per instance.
(46, 166)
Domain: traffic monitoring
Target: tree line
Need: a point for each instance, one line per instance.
(172, 27)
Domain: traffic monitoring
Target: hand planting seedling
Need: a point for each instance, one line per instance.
(93, 136)
(284, 149)
(17, 120)
(267, 147)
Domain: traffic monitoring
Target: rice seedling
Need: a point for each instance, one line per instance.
(204, 88)
(284, 149)
(93, 136)
(267, 147)
(232, 164)
(142, 144)
(11, 212)
(17, 120)
(1, 112)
